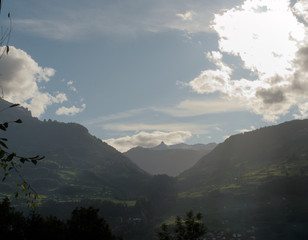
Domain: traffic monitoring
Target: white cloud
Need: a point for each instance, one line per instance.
(247, 130)
(71, 111)
(19, 79)
(226, 137)
(190, 108)
(303, 111)
(265, 34)
(70, 86)
(127, 127)
(300, 9)
(125, 121)
(211, 80)
(73, 88)
(148, 139)
(272, 42)
(187, 16)
(40, 101)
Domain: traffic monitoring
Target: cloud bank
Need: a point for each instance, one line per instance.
(148, 139)
(271, 40)
(19, 81)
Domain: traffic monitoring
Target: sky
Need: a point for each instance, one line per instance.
(138, 72)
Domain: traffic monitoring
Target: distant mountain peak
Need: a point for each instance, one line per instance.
(161, 146)
(168, 159)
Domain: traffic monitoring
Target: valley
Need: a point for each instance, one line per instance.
(253, 184)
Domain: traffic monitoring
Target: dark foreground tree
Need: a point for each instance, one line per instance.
(83, 224)
(12, 223)
(190, 228)
(86, 224)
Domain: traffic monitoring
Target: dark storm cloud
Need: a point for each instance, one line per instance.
(271, 96)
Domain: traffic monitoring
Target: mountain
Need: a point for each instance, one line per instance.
(170, 160)
(196, 147)
(255, 183)
(270, 151)
(76, 163)
(161, 146)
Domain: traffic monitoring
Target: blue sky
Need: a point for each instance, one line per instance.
(141, 72)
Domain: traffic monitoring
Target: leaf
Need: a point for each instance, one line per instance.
(4, 166)
(10, 157)
(5, 175)
(2, 127)
(23, 160)
(18, 121)
(14, 105)
(34, 161)
(6, 125)
(3, 139)
(2, 153)
(3, 144)
(36, 158)
(16, 195)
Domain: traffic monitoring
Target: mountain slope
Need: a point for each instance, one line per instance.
(271, 151)
(254, 183)
(76, 163)
(170, 160)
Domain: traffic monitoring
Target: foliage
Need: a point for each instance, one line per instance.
(190, 228)
(84, 223)
(11, 222)
(10, 161)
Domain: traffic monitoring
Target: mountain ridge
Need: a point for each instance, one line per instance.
(74, 159)
(246, 145)
(170, 160)
(164, 146)
(255, 183)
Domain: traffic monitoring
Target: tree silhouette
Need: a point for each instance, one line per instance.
(12, 223)
(190, 228)
(86, 224)
(83, 224)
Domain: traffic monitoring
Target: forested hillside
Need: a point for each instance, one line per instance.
(254, 183)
